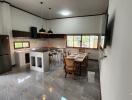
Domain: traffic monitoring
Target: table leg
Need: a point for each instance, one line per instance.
(80, 69)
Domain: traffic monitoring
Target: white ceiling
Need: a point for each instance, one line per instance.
(76, 7)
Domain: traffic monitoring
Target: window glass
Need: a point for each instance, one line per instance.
(77, 41)
(21, 44)
(102, 41)
(85, 41)
(70, 41)
(93, 41)
(18, 45)
(25, 44)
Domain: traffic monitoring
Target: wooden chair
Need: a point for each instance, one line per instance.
(84, 67)
(69, 67)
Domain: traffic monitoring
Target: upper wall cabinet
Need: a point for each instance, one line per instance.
(16, 33)
(51, 35)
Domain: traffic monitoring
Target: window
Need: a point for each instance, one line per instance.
(18, 45)
(93, 41)
(26, 45)
(102, 41)
(21, 44)
(77, 41)
(70, 41)
(84, 41)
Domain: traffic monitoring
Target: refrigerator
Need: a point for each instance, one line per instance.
(5, 57)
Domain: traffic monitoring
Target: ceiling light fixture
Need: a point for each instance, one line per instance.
(42, 30)
(65, 12)
(50, 31)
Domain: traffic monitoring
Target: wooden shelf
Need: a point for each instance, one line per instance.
(17, 33)
(51, 35)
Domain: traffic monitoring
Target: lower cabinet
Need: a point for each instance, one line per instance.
(39, 61)
(22, 58)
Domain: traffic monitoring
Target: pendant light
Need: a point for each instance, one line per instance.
(50, 31)
(42, 30)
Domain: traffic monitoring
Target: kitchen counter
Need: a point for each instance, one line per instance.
(44, 49)
(41, 50)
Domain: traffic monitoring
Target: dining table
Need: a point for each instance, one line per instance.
(78, 58)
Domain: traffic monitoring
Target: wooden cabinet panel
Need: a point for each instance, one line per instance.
(17, 33)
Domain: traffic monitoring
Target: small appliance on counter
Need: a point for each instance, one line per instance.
(5, 57)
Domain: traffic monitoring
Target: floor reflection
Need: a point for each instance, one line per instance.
(21, 80)
(63, 98)
(23, 84)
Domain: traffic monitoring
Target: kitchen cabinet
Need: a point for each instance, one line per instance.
(39, 61)
(22, 58)
(17, 33)
(51, 35)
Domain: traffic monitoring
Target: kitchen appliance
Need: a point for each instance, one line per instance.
(5, 57)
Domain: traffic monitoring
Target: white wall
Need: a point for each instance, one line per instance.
(116, 69)
(91, 24)
(103, 24)
(5, 19)
(0, 20)
(23, 21)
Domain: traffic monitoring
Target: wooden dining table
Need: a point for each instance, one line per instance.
(78, 58)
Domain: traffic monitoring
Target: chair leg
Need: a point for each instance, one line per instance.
(73, 75)
(65, 75)
(87, 76)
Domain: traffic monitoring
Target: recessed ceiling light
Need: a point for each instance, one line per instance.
(65, 12)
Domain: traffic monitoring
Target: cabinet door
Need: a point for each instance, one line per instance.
(27, 58)
(5, 63)
(39, 62)
(33, 61)
(4, 45)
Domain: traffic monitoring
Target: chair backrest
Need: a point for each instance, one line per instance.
(85, 62)
(69, 63)
(82, 50)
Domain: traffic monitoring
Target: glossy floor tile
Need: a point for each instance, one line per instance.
(25, 84)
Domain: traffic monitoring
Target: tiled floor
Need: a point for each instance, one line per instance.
(21, 84)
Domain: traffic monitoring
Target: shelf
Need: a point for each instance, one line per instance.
(17, 33)
(51, 35)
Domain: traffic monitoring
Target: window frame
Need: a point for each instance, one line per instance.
(81, 41)
(104, 41)
(22, 44)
